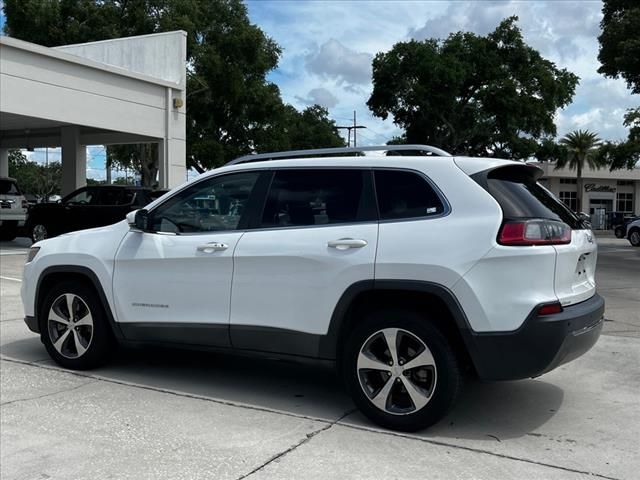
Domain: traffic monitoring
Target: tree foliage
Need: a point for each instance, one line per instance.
(232, 108)
(581, 147)
(623, 154)
(620, 41)
(33, 178)
(480, 95)
(619, 56)
(142, 158)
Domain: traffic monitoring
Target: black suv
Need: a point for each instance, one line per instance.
(87, 207)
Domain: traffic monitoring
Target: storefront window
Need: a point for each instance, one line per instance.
(625, 202)
(570, 200)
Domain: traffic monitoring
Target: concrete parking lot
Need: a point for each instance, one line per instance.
(172, 414)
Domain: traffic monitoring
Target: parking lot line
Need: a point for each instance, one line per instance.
(11, 279)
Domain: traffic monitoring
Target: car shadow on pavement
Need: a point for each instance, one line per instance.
(491, 411)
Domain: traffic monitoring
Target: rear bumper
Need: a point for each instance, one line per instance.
(541, 344)
(18, 221)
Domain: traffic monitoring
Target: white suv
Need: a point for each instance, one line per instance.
(401, 269)
(13, 208)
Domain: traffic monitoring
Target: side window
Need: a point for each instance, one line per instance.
(317, 197)
(211, 205)
(115, 196)
(83, 197)
(403, 194)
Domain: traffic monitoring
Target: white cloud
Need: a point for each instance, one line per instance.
(334, 60)
(337, 36)
(319, 96)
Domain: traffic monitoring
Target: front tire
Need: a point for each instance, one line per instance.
(400, 370)
(38, 232)
(74, 328)
(634, 237)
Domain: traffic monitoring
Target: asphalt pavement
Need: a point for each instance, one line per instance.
(158, 414)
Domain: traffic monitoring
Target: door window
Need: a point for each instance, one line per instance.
(212, 205)
(403, 194)
(116, 196)
(318, 197)
(83, 197)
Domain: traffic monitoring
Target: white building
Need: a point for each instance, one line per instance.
(603, 192)
(127, 90)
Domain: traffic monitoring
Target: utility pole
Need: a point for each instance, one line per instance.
(353, 127)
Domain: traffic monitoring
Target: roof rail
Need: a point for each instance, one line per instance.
(291, 154)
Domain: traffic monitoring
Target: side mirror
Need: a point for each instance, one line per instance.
(138, 219)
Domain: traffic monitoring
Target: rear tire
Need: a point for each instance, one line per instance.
(74, 327)
(634, 237)
(619, 231)
(410, 389)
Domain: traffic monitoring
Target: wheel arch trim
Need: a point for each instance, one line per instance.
(92, 277)
(330, 342)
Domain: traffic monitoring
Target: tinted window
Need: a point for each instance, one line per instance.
(7, 187)
(208, 206)
(316, 197)
(116, 196)
(82, 197)
(405, 195)
(520, 196)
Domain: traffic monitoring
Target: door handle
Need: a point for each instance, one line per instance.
(212, 247)
(347, 243)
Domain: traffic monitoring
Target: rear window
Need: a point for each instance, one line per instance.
(520, 196)
(403, 194)
(8, 187)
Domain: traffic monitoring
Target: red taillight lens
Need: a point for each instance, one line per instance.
(534, 232)
(550, 309)
(25, 204)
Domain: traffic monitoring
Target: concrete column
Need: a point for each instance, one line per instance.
(74, 160)
(4, 162)
(163, 169)
(172, 150)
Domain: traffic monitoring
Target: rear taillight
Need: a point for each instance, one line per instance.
(534, 232)
(550, 309)
(25, 204)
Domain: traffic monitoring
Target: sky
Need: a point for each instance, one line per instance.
(327, 49)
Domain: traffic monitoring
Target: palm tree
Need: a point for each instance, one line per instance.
(581, 147)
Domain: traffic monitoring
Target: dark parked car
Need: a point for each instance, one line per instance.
(87, 207)
(620, 231)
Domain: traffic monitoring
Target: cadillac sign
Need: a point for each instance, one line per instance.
(592, 187)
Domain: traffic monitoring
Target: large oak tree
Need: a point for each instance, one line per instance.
(471, 94)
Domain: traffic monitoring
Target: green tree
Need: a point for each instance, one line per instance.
(294, 130)
(623, 154)
(550, 150)
(619, 53)
(481, 95)
(39, 180)
(619, 56)
(142, 158)
(581, 147)
(232, 109)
